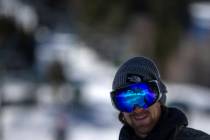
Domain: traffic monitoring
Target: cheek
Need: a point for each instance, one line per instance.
(127, 118)
(155, 111)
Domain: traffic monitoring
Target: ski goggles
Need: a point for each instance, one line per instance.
(142, 95)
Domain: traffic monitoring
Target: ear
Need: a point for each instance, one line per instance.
(121, 118)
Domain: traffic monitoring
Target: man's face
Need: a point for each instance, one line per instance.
(143, 121)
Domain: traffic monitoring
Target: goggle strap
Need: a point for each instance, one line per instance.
(160, 93)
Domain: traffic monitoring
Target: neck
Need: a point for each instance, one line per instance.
(141, 135)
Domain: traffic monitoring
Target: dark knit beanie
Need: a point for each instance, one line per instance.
(138, 69)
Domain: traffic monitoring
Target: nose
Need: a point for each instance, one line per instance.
(138, 110)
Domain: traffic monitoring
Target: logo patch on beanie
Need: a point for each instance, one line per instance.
(133, 78)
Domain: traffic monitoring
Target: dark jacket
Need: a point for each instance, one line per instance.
(171, 126)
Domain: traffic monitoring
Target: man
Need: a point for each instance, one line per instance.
(140, 95)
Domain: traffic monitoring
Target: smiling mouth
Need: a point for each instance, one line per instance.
(140, 117)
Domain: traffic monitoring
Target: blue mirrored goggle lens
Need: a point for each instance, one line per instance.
(140, 95)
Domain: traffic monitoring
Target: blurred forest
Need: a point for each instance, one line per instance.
(173, 33)
(167, 31)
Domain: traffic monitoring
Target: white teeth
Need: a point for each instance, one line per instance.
(138, 117)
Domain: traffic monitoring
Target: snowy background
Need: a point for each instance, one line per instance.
(94, 117)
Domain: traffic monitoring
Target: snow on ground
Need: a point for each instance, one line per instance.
(97, 120)
(196, 99)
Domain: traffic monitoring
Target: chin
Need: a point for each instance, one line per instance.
(144, 125)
